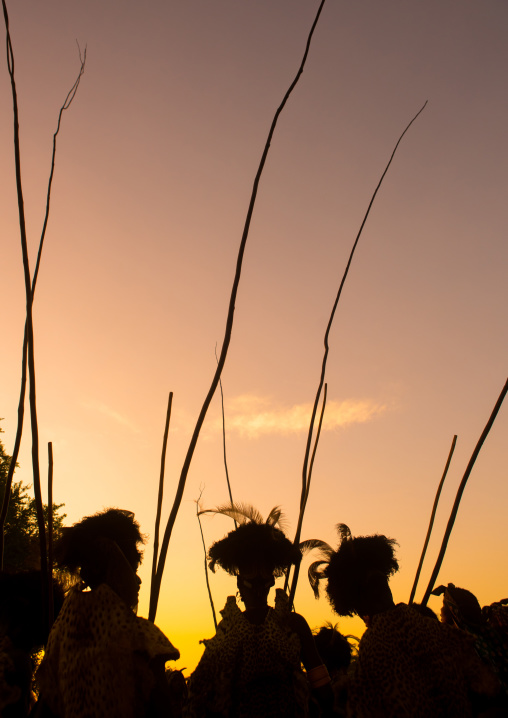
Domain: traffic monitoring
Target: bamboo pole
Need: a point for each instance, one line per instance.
(460, 491)
(431, 522)
(155, 588)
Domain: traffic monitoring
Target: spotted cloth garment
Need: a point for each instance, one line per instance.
(496, 634)
(97, 661)
(248, 670)
(411, 665)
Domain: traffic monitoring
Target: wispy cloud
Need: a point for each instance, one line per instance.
(252, 416)
(110, 413)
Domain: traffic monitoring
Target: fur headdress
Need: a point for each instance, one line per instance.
(356, 560)
(79, 545)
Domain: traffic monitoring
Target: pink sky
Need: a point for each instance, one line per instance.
(155, 165)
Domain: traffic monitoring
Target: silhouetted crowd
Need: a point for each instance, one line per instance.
(101, 660)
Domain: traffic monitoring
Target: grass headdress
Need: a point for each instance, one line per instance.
(254, 544)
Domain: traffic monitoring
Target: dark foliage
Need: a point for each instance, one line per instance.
(21, 608)
(21, 546)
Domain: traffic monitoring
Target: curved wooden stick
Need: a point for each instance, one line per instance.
(296, 571)
(305, 472)
(154, 594)
(161, 487)
(224, 446)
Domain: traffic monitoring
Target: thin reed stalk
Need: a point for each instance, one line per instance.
(207, 579)
(161, 487)
(432, 516)
(318, 434)
(29, 323)
(21, 403)
(51, 608)
(305, 472)
(65, 106)
(224, 441)
(155, 589)
(460, 491)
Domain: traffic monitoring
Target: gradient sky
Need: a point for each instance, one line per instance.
(155, 165)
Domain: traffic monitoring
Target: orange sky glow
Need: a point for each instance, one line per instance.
(155, 165)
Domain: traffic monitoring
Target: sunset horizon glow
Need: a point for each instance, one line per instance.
(154, 169)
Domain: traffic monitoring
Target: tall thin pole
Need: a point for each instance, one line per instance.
(161, 487)
(51, 608)
(432, 516)
(460, 491)
(305, 471)
(155, 589)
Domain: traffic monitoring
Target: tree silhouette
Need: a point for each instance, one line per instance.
(21, 530)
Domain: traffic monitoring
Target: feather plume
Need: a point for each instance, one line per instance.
(311, 544)
(344, 532)
(315, 574)
(241, 513)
